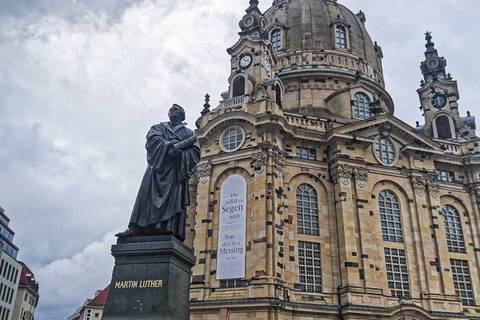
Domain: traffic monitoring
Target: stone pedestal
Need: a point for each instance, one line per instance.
(150, 279)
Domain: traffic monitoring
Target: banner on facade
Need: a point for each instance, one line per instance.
(232, 228)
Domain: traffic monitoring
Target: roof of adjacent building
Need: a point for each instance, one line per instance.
(100, 298)
(27, 281)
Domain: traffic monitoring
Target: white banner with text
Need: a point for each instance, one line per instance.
(232, 228)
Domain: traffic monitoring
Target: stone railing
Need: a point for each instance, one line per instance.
(451, 148)
(235, 103)
(310, 123)
(326, 58)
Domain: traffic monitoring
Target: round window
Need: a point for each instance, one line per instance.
(385, 150)
(233, 138)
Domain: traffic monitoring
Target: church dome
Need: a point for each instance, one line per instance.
(311, 25)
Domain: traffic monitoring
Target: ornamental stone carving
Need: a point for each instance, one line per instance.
(422, 182)
(361, 176)
(259, 161)
(204, 170)
(418, 184)
(343, 174)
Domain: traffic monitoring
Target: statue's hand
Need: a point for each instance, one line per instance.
(173, 151)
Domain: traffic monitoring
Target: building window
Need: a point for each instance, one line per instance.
(390, 216)
(397, 273)
(385, 150)
(88, 314)
(238, 87)
(444, 132)
(445, 176)
(307, 210)
(453, 229)
(361, 106)
(276, 40)
(462, 281)
(233, 138)
(306, 153)
(233, 283)
(310, 273)
(278, 95)
(341, 36)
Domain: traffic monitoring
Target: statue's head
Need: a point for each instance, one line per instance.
(176, 114)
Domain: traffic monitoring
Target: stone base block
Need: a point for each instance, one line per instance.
(150, 279)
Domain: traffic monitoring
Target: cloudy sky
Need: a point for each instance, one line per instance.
(81, 81)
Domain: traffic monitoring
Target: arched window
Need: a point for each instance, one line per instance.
(453, 229)
(442, 123)
(307, 210)
(361, 106)
(276, 40)
(278, 94)
(238, 87)
(390, 216)
(340, 36)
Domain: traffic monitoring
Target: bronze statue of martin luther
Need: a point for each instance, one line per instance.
(172, 154)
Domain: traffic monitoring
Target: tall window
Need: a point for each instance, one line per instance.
(462, 281)
(278, 94)
(390, 216)
(361, 106)
(310, 273)
(397, 273)
(276, 39)
(385, 150)
(238, 87)
(453, 229)
(442, 123)
(341, 36)
(307, 210)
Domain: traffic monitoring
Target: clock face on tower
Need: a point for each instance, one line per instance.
(245, 61)
(439, 100)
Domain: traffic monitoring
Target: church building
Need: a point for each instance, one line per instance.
(312, 200)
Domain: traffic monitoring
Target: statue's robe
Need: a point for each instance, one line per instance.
(163, 196)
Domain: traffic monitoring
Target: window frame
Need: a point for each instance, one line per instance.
(466, 294)
(346, 36)
(450, 122)
(308, 208)
(378, 141)
(305, 153)
(358, 104)
(395, 216)
(312, 270)
(244, 86)
(276, 41)
(395, 270)
(453, 228)
(240, 144)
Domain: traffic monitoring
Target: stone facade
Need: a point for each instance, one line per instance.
(300, 128)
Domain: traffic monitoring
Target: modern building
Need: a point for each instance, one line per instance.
(313, 200)
(27, 295)
(9, 268)
(92, 309)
